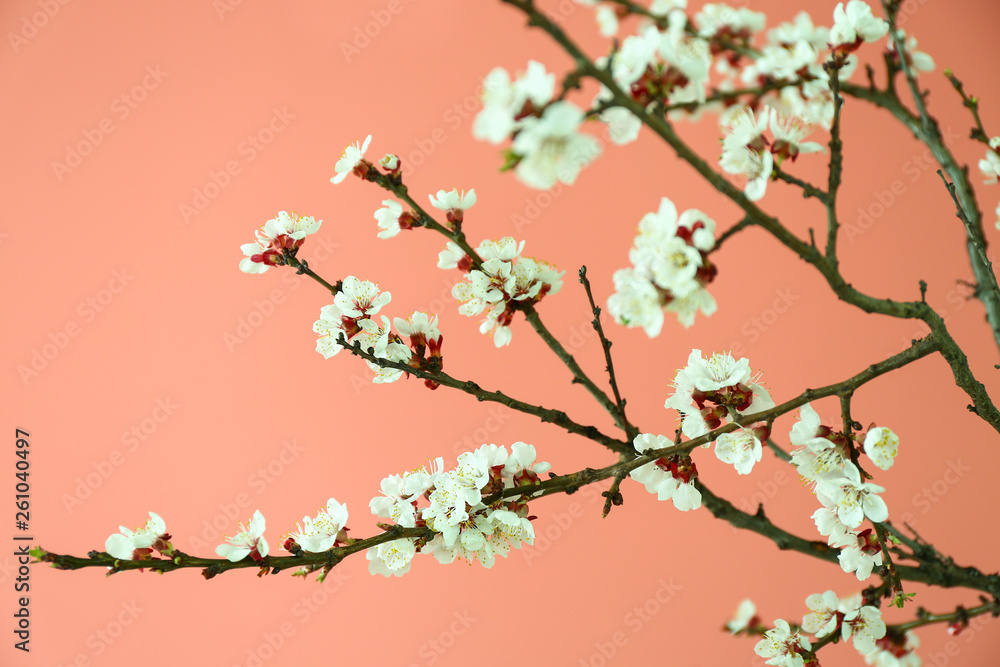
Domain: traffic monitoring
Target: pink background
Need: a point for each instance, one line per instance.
(170, 95)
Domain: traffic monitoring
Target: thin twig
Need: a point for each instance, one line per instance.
(630, 431)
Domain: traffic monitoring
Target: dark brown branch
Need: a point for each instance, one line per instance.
(557, 417)
(630, 431)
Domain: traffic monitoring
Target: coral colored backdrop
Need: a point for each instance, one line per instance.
(144, 143)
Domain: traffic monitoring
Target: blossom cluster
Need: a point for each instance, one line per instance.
(466, 528)
(546, 144)
(350, 318)
(748, 152)
(824, 459)
(448, 502)
(670, 270)
(277, 238)
(667, 65)
(503, 282)
(711, 392)
(707, 393)
(850, 618)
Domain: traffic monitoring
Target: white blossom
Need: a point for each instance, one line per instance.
(854, 23)
(551, 149)
(782, 646)
(882, 446)
(135, 543)
(863, 627)
(248, 541)
(352, 157)
(318, 534)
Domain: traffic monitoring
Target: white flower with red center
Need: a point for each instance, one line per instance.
(423, 332)
(359, 299)
(830, 526)
(400, 493)
(507, 248)
(669, 478)
(853, 499)
(483, 288)
(800, 30)
(394, 503)
(990, 165)
(789, 130)
(521, 468)
(455, 492)
(855, 24)
(384, 345)
(510, 529)
(895, 651)
(822, 618)
(453, 257)
(735, 25)
(469, 541)
(863, 627)
(687, 63)
(249, 541)
(745, 618)
(531, 276)
(139, 543)
(391, 559)
(286, 232)
(497, 325)
(550, 149)
(392, 219)
(352, 160)
(882, 446)
(330, 327)
(503, 280)
(780, 62)
(740, 448)
(671, 270)
(717, 372)
(323, 532)
(506, 104)
(822, 454)
(807, 430)
(635, 57)
(390, 163)
(783, 647)
(742, 128)
(454, 202)
(859, 552)
(820, 460)
(719, 380)
(755, 166)
(484, 535)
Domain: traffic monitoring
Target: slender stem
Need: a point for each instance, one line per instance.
(960, 615)
(808, 189)
(579, 377)
(836, 165)
(630, 431)
(557, 417)
(303, 267)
